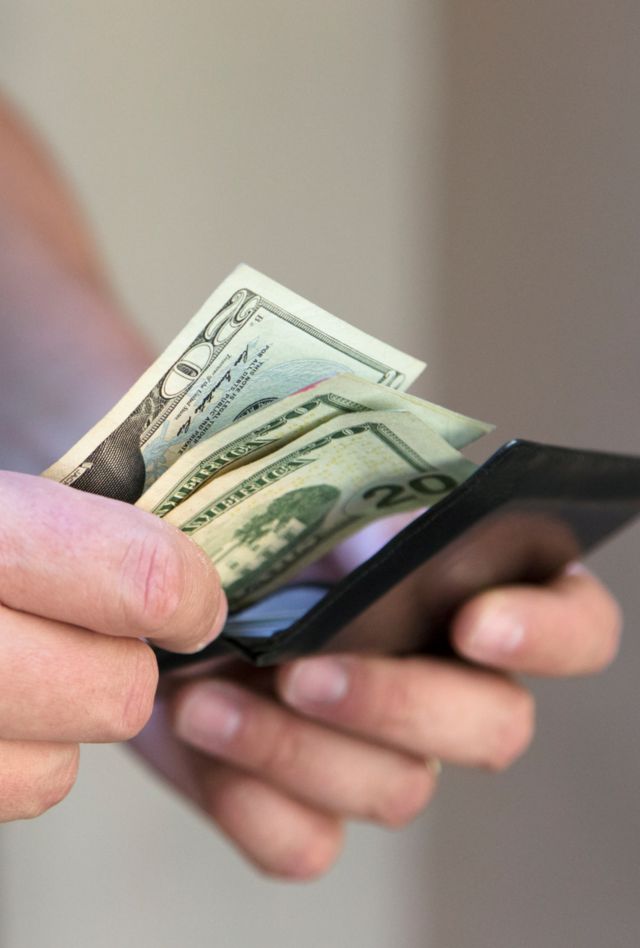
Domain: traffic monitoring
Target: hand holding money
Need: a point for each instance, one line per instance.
(73, 615)
(269, 431)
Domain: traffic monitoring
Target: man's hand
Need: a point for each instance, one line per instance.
(280, 760)
(82, 578)
(82, 581)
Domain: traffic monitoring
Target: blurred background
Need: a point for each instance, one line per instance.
(462, 180)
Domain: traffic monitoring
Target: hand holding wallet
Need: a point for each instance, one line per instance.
(269, 431)
(525, 513)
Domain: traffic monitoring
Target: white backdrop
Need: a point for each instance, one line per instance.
(459, 178)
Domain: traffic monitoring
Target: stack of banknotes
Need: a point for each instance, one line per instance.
(268, 431)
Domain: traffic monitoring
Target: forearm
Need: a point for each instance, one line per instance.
(66, 350)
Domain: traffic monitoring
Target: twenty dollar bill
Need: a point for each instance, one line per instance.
(278, 424)
(261, 523)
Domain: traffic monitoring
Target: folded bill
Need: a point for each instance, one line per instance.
(268, 431)
(252, 343)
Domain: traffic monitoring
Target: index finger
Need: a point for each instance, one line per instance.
(103, 565)
(571, 626)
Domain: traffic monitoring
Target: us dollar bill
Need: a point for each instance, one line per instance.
(264, 521)
(272, 427)
(252, 343)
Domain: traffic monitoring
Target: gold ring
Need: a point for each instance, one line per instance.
(434, 764)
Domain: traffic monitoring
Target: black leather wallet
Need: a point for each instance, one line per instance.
(525, 513)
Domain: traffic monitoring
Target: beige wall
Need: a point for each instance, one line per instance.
(460, 178)
(541, 295)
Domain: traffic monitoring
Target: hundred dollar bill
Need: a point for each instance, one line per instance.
(261, 523)
(252, 343)
(276, 425)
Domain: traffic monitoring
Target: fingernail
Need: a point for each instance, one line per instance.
(221, 614)
(219, 621)
(209, 717)
(317, 681)
(497, 632)
(576, 569)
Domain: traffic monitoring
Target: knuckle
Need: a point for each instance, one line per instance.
(306, 860)
(138, 694)
(54, 785)
(612, 635)
(392, 711)
(124, 711)
(515, 732)
(279, 751)
(407, 798)
(226, 796)
(304, 848)
(155, 580)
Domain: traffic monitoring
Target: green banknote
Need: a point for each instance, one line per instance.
(264, 521)
(252, 343)
(278, 424)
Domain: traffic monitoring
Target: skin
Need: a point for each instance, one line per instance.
(279, 760)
